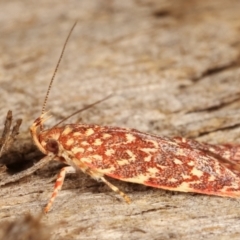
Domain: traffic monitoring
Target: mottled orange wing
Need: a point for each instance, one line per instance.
(129, 155)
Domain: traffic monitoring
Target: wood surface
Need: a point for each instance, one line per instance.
(173, 69)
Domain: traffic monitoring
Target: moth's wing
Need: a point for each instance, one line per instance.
(227, 154)
(164, 163)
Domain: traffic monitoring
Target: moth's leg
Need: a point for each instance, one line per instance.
(98, 176)
(115, 189)
(58, 185)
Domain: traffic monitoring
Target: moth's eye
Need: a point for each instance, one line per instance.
(52, 146)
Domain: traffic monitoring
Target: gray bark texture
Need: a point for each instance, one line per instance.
(173, 69)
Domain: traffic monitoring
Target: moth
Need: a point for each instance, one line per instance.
(175, 164)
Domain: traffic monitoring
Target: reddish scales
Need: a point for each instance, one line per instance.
(176, 164)
(227, 154)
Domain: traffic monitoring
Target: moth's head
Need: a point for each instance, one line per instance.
(49, 140)
(40, 136)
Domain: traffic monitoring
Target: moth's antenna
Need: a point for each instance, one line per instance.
(83, 109)
(56, 69)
